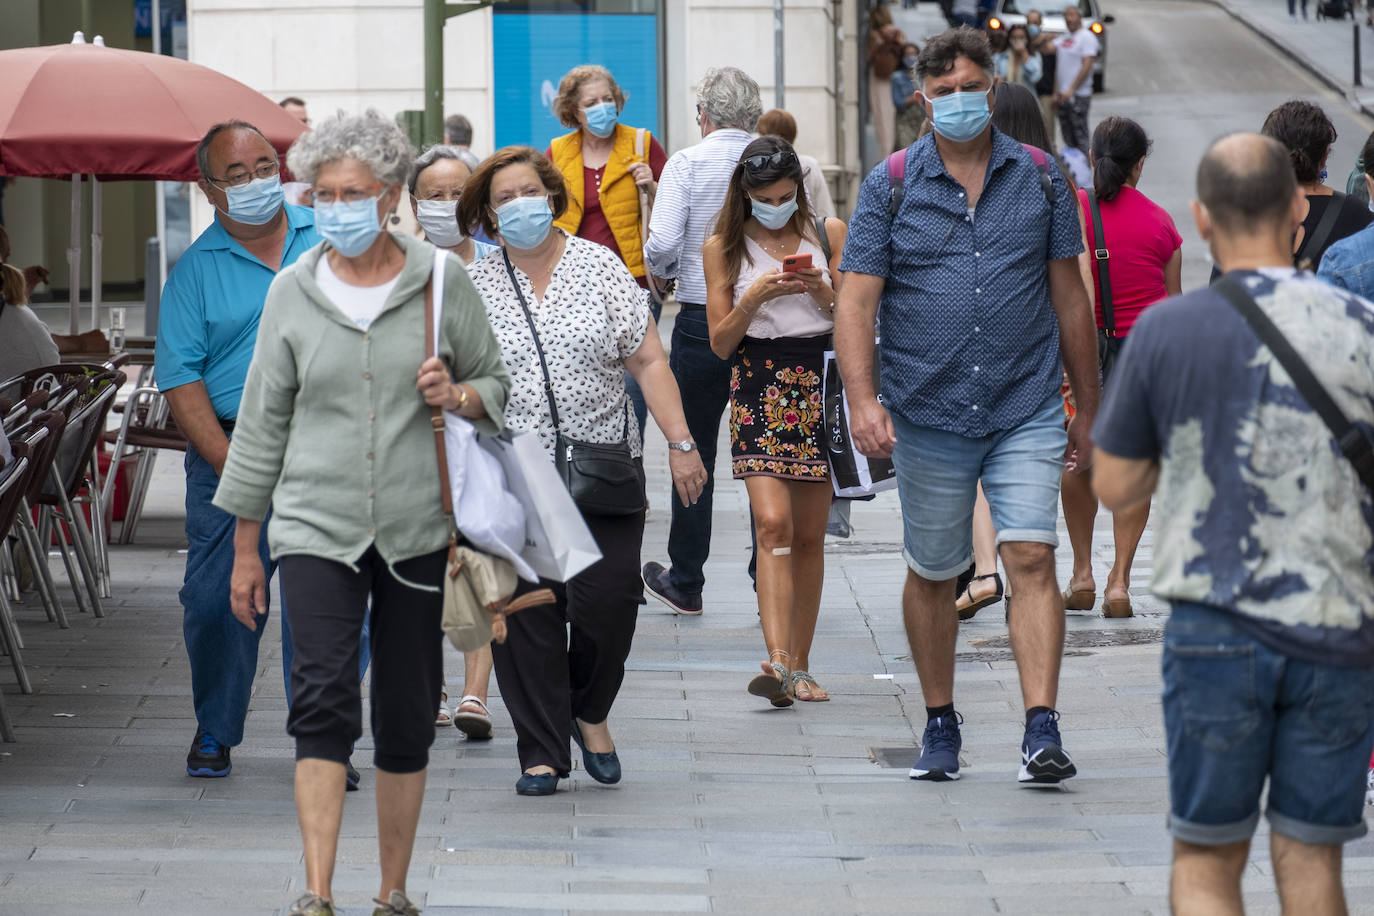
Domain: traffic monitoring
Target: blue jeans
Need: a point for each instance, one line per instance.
(223, 652)
(641, 409)
(1237, 712)
(937, 483)
(704, 381)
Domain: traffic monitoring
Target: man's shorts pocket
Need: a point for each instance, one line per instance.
(1215, 684)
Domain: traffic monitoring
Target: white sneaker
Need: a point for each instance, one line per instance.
(1369, 787)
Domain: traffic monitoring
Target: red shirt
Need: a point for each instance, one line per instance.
(594, 226)
(1141, 238)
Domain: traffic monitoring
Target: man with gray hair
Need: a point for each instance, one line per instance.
(206, 332)
(691, 191)
(1263, 534)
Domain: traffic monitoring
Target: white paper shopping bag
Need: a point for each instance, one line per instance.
(558, 545)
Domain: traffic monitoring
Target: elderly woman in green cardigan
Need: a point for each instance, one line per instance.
(334, 435)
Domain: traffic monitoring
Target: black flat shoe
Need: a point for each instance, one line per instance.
(604, 768)
(536, 784)
(351, 777)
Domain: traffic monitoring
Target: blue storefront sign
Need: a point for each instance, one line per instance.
(534, 50)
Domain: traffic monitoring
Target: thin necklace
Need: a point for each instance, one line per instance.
(546, 270)
(778, 249)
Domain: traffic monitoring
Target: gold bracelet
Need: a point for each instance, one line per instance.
(462, 397)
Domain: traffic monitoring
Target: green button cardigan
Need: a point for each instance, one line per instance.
(333, 435)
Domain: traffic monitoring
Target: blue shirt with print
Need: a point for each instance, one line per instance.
(970, 337)
(1257, 512)
(211, 304)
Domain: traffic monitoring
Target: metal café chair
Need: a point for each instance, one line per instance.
(12, 479)
(147, 426)
(42, 435)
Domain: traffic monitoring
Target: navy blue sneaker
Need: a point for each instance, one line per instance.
(1043, 759)
(208, 757)
(940, 750)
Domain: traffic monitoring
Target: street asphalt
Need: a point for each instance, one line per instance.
(727, 804)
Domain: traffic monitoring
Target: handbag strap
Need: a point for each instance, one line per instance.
(1321, 234)
(538, 347)
(434, 290)
(1102, 256)
(1353, 443)
(823, 239)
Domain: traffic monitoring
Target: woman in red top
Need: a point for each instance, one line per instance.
(1144, 266)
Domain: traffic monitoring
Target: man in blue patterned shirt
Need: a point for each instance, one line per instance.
(975, 281)
(1264, 546)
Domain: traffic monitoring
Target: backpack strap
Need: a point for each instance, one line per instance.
(823, 239)
(1102, 258)
(1042, 162)
(896, 181)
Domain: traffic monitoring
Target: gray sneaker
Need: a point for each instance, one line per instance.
(311, 905)
(395, 905)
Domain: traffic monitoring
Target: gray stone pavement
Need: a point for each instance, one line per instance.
(727, 805)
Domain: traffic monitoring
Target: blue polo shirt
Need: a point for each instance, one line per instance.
(211, 304)
(970, 337)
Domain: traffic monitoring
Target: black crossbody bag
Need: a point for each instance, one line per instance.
(604, 479)
(1354, 444)
(1108, 344)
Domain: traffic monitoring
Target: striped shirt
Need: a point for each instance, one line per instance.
(691, 191)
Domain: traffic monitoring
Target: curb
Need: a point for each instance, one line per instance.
(1339, 86)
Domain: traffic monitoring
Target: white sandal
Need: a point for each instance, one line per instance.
(475, 724)
(444, 718)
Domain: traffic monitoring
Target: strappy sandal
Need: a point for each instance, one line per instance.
(444, 718)
(818, 693)
(473, 722)
(773, 687)
(966, 611)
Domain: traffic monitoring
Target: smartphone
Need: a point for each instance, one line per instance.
(795, 262)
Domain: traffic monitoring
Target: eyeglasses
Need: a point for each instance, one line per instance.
(238, 179)
(782, 159)
(328, 196)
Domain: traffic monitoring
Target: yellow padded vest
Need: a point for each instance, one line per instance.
(619, 194)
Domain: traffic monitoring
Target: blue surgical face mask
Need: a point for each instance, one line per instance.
(350, 226)
(772, 216)
(601, 119)
(525, 221)
(1321, 176)
(257, 202)
(960, 116)
(1032, 30)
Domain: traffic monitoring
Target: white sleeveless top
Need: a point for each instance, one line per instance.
(794, 315)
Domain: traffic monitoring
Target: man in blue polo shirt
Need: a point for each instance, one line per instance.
(206, 332)
(977, 278)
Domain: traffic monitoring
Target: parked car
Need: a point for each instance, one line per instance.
(1008, 13)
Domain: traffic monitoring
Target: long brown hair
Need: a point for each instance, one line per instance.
(737, 209)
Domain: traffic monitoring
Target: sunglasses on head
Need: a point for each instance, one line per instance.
(779, 160)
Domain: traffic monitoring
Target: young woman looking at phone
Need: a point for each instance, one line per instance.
(774, 323)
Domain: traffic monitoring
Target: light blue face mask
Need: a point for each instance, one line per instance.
(960, 116)
(351, 227)
(601, 119)
(772, 216)
(525, 221)
(257, 202)
(1032, 30)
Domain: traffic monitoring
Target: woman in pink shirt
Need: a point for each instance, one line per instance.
(1143, 263)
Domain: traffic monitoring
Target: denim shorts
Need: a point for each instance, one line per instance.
(1237, 712)
(937, 482)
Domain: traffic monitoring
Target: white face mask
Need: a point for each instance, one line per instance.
(439, 219)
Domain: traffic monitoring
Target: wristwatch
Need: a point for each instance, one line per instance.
(686, 445)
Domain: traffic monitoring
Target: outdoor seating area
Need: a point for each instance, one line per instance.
(53, 493)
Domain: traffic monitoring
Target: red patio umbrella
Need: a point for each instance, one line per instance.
(78, 109)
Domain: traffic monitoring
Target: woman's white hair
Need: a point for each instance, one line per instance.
(730, 98)
(375, 141)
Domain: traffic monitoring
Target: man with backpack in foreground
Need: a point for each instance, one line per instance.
(1248, 406)
(970, 263)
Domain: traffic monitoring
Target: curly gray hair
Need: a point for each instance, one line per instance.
(375, 141)
(730, 98)
(437, 152)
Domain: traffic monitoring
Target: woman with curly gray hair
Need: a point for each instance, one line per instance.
(334, 436)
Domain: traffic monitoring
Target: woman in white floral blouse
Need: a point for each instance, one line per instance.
(593, 324)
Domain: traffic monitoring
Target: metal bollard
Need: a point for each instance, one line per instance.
(1355, 29)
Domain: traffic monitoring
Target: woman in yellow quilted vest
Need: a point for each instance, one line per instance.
(605, 164)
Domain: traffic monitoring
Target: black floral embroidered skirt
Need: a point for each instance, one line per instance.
(776, 408)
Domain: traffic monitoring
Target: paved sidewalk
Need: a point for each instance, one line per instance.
(1326, 47)
(727, 805)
